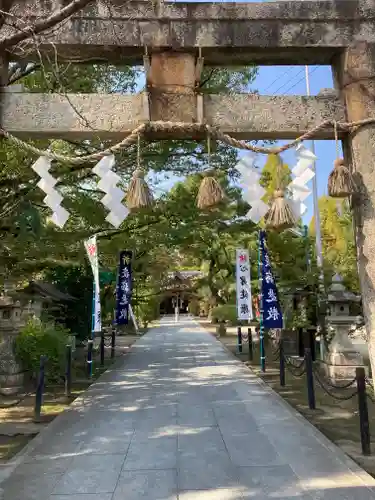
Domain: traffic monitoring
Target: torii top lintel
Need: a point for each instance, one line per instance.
(283, 32)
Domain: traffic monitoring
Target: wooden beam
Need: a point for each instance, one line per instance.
(284, 32)
(113, 116)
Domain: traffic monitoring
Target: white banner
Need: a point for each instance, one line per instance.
(244, 302)
(92, 253)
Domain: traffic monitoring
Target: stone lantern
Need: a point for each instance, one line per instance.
(11, 321)
(342, 357)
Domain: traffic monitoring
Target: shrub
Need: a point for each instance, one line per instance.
(194, 307)
(38, 339)
(148, 311)
(225, 313)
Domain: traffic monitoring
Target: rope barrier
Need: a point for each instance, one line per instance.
(338, 387)
(328, 390)
(110, 342)
(294, 369)
(189, 128)
(276, 352)
(288, 360)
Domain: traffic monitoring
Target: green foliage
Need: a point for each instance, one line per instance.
(275, 175)
(194, 307)
(225, 313)
(77, 282)
(38, 339)
(339, 249)
(148, 311)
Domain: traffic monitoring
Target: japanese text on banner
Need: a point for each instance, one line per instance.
(244, 302)
(124, 288)
(272, 315)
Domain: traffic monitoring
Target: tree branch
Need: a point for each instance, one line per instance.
(54, 19)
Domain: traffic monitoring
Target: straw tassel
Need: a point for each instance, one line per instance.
(340, 181)
(210, 193)
(139, 194)
(280, 215)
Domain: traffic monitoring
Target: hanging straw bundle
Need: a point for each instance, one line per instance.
(139, 194)
(280, 215)
(340, 181)
(210, 192)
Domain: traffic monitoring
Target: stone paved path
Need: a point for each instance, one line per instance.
(181, 418)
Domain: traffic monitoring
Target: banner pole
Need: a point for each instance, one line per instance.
(261, 328)
(91, 339)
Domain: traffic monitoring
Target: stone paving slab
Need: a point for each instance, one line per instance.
(181, 418)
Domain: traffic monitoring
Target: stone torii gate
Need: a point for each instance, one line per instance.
(174, 40)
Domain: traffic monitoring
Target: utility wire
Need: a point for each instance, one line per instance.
(279, 78)
(301, 80)
(288, 82)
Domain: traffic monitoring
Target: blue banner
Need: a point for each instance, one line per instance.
(124, 288)
(272, 315)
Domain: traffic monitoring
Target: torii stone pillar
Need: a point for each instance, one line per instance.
(171, 84)
(354, 73)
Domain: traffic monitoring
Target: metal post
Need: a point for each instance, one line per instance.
(39, 390)
(282, 363)
(363, 411)
(318, 236)
(68, 371)
(90, 344)
(177, 309)
(310, 379)
(113, 342)
(91, 340)
(250, 339)
(102, 348)
(239, 339)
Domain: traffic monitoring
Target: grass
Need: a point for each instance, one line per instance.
(338, 420)
(11, 445)
(16, 421)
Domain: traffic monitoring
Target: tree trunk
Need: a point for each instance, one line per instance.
(354, 74)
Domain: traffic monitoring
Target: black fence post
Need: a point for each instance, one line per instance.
(250, 340)
(39, 390)
(282, 363)
(310, 379)
(239, 339)
(113, 343)
(68, 371)
(90, 345)
(102, 349)
(363, 411)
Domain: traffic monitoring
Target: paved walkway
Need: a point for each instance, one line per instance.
(181, 418)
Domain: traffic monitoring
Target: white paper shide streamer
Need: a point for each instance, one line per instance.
(253, 192)
(91, 247)
(114, 195)
(47, 184)
(302, 175)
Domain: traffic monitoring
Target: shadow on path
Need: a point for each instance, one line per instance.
(181, 418)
